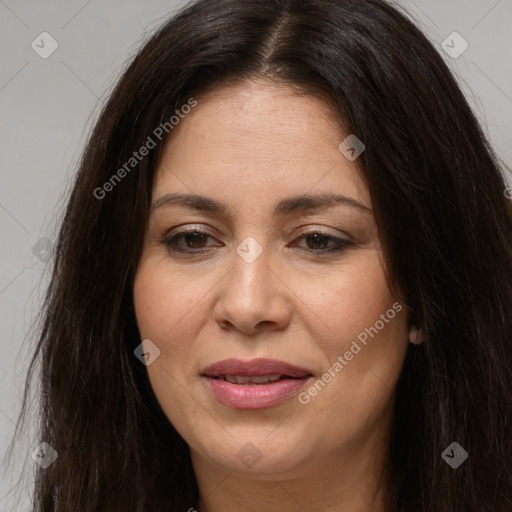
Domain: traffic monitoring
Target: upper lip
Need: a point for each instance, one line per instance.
(254, 367)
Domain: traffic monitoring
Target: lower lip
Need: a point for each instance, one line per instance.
(254, 396)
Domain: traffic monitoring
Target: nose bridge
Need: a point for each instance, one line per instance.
(250, 267)
(250, 294)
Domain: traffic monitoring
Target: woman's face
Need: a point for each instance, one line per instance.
(267, 275)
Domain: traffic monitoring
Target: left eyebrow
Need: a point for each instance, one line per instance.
(284, 207)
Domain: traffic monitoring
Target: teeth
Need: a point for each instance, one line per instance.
(244, 379)
(264, 378)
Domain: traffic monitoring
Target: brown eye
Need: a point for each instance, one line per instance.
(192, 239)
(318, 242)
(195, 241)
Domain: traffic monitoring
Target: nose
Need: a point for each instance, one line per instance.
(252, 297)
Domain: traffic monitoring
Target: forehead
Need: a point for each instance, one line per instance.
(258, 139)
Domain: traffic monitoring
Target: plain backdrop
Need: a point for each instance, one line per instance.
(48, 106)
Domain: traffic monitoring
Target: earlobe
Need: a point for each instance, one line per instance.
(414, 335)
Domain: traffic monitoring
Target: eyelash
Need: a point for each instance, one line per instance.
(342, 245)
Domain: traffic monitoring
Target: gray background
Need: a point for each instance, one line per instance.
(49, 105)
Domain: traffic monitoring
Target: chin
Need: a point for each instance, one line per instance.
(253, 454)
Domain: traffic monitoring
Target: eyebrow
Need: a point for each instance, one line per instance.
(283, 208)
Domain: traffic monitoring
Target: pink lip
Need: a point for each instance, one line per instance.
(254, 396)
(254, 367)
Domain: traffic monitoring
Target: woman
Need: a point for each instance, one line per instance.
(284, 277)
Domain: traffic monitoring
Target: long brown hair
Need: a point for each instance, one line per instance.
(444, 222)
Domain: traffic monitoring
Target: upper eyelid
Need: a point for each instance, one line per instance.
(201, 227)
(186, 228)
(301, 231)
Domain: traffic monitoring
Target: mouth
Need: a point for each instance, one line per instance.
(251, 381)
(260, 367)
(254, 384)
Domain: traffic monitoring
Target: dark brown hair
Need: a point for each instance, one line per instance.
(445, 226)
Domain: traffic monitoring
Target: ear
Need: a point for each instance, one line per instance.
(414, 335)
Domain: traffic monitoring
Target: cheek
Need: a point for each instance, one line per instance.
(351, 300)
(166, 297)
(364, 346)
(167, 309)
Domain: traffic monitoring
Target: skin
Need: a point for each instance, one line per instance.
(249, 146)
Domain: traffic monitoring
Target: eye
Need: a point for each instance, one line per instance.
(193, 241)
(318, 242)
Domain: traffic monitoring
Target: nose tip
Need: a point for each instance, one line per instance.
(251, 298)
